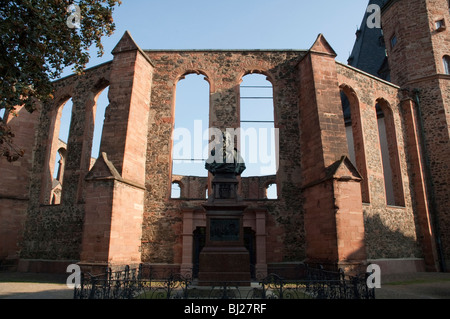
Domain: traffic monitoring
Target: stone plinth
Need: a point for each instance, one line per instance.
(224, 257)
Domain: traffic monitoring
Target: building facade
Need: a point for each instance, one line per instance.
(363, 163)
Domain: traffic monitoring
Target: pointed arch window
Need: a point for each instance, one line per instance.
(101, 103)
(355, 137)
(60, 140)
(389, 154)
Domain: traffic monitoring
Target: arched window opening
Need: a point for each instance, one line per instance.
(355, 138)
(62, 125)
(389, 155)
(271, 191)
(446, 61)
(190, 135)
(348, 127)
(258, 135)
(60, 163)
(102, 103)
(65, 120)
(176, 190)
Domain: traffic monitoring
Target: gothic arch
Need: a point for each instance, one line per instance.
(53, 141)
(185, 73)
(389, 153)
(355, 135)
(267, 74)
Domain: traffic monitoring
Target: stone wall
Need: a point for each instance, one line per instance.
(54, 232)
(224, 71)
(391, 232)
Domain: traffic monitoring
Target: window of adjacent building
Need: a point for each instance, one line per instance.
(440, 25)
(393, 41)
(258, 135)
(446, 61)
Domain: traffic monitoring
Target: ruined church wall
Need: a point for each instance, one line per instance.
(54, 232)
(391, 231)
(224, 71)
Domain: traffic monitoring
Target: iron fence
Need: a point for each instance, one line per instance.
(147, 282)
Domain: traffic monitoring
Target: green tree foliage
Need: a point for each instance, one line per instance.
(37, 42)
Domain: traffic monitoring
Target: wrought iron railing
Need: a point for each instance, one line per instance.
(147, 282)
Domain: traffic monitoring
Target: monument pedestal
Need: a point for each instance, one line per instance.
(224, 257)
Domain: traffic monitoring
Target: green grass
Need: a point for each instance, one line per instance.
(33, 278)
(417, 281)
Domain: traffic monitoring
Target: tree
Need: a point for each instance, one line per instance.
(38, 40)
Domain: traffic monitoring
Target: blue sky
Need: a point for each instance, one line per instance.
(229, 24)
(236, 24)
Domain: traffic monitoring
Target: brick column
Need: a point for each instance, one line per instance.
(419, 186)
(115, 185)
(79, 145)
(261, 235)
(334, 223)
(188, 240)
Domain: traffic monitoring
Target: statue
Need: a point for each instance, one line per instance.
(230, 161)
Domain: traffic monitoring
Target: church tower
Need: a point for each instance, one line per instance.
(369, 50)
(417, 39)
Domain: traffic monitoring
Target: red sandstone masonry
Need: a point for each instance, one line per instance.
(334, 224)
(416, 64)
(123, 162)
(130, 186)
(14, 184)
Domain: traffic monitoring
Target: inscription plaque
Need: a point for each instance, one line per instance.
(224, 229)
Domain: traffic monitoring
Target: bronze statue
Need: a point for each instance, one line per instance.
(230, 161)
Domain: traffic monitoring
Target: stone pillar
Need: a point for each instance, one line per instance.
(334, 225)
(413, 143)
(261, 235)
(115, 185)
(188, 241)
